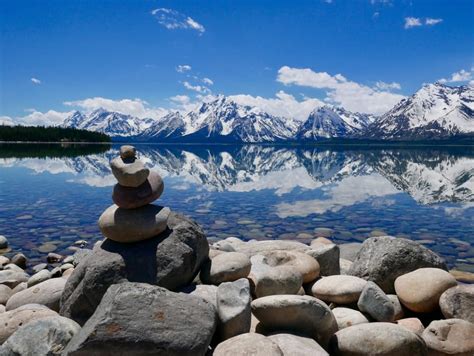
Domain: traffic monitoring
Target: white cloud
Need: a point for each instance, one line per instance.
(197, 88)
(6, 121)
(340, 91)
(135, 107)
(172, 20)
(207, 81)
(38, 118)
(387, 86)
(35, 81)
(283, 104)
(431, 22)
(183, 68)
(183, 102)
(460, 76)
(412, 22)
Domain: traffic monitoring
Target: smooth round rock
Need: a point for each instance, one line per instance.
(267, 280)
(4, 260)
(294, 345)
(132, 225)
(5, 293)
(3, 242)
(296, 313)
(20, 260)
(130, 172)
(127, 152)
(48, 336)
(39, 277)
(12, 320)
(458, 302)
(145, 193)
(339, 289)
(226, 267)
(12, 278)
(421, 289)
(399, 313)
(250, 344)
(450, 337)
(300, 262)
(412, 324)
(346, 317)
(381, 339)
(259, 247)
(46, 293)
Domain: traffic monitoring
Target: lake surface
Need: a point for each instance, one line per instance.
(52, 195)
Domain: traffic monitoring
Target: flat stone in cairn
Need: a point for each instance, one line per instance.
(376, 303)
(135, 197)
(132, 225)
(130, 172)
(339, 289)
(421, 289)
(458, 302)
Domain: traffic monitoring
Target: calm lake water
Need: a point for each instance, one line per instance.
(52, 195)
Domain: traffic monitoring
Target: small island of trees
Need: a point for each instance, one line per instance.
(49, 134)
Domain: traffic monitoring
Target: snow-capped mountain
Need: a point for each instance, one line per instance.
(435, 111)
(221, 119)
(329, 122)
(108, 122)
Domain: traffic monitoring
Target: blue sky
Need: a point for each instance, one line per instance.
(141, 57)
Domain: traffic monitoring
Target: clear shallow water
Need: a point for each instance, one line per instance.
(54, 195)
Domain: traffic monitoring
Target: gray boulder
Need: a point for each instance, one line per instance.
(376, 303)
(42, 337)
(383, 259)
(170, 260)
(233, 308)
(140, 319)
(458, 302)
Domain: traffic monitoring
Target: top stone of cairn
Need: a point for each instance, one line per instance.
(128, 152)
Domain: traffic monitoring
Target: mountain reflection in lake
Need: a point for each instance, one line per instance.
(54, 195)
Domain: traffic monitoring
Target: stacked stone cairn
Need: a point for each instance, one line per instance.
(155, 286)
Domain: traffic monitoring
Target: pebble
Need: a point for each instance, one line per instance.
(54, 257)
(48, 247)
(339, 289)
(412, 324)
(3, 242)
(346, 317)
(38, 277)
(20, 260)
(300, 262)
(295, 345)
(421, 289)
(376, 303)
(5, 293)
(250, 344)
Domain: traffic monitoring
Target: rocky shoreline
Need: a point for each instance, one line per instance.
(156, 286)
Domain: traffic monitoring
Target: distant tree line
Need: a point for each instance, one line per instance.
(49, 134)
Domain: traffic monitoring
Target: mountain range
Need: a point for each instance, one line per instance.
(435, 111)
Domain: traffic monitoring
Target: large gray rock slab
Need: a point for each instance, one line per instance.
(327, 257)
(458, 302)
(14, 319)
(233, 308)
(170, 260)
(12, 278)
(383, 259)
(381, 339)
(248, 345)
(258, 247)
(145, 193)
(295, 313)
(140, 319)
(295, 345)
(450, 337)
(376, 303)
(226, 267)
(42, 337)
(133, 225)
(129, 172)
(46, 293)
(421, 289)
